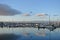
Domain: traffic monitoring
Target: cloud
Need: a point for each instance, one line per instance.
(26, 14)
(5, 10)
(41, 14)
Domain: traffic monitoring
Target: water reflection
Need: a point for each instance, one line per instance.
(33, 33)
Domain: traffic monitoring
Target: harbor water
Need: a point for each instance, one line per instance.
(32, 33)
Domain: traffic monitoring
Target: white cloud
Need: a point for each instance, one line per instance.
(26, 14)
(41, 14)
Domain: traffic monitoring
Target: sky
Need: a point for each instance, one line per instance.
(32, 7)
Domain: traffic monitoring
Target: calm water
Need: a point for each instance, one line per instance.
(33, 33)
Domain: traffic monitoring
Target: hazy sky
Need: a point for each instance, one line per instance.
(50, 7)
